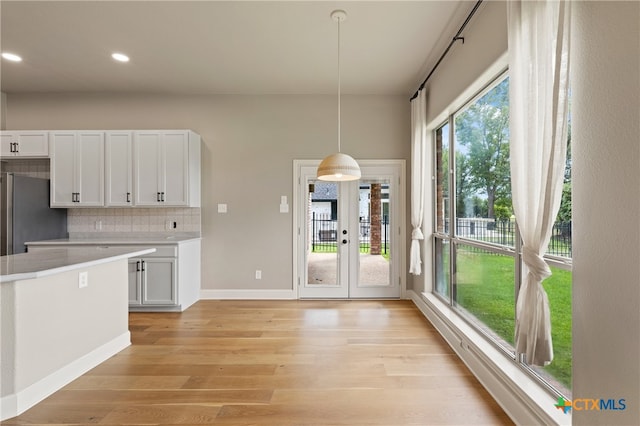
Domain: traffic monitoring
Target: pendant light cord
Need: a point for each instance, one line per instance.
(339, 83)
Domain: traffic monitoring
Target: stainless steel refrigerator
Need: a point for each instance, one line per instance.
(26, 216)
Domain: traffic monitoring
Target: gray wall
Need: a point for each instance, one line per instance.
(606, 208)
(3, 110)
(249, 144)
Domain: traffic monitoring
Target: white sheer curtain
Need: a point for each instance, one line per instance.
(538, 90)
(418, 170)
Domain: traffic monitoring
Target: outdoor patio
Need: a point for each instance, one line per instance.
(374, 269)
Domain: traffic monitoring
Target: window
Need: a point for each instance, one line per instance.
(477, 245)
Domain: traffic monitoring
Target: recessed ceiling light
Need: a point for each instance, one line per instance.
(120, 57)
(11, 57)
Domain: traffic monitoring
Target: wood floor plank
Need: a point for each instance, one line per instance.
(316, 362)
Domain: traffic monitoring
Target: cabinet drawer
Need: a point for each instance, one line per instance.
(164, 251)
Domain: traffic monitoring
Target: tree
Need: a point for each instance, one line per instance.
(564, 214)
(482, 131)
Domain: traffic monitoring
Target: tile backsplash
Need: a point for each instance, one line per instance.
(32, 167)
(133, 220)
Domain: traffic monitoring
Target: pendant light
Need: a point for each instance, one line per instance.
(338, 167)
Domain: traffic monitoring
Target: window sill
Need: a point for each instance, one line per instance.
(524, 399)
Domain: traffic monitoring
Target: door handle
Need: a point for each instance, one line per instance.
(162, 197)
(138, 266)
(158, 197)
(128, 197)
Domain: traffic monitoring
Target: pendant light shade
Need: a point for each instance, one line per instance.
(339, 167)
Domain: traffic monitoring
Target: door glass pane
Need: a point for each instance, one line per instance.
(322, 233)
(374, 235)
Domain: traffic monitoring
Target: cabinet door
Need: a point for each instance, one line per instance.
(118, 169)
(176, 168)
(159, 281)
(90, 169)
(135, 282)
(6, 144)
(63, 159)
(147, 154)
(32, 144)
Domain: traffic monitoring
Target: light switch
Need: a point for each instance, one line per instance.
(222, 208)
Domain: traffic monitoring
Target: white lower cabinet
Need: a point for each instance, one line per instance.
(167, 280)
(152, 281)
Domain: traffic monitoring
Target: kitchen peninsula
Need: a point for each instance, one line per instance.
(166, 281)
(63, 311)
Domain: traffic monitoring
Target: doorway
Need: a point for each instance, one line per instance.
(348, 235)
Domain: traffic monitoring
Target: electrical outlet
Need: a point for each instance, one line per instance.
(83, 279)
(258, 274)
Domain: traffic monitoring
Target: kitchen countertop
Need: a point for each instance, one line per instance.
(43, 263)
(117, 239)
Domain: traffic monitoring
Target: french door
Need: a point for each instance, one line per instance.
(348, 236)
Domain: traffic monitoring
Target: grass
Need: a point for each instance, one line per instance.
(325, 247)
(486, 290)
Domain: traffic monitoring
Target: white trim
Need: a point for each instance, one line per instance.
(248, 294)
(523, 399)
(399, 264)
(16, 403)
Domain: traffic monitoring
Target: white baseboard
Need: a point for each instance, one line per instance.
(15, 404)
(247, 294)
(524, 400)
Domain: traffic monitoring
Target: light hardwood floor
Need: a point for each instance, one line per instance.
(277, 363)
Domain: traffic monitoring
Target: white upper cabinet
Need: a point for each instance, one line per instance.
(77, 168)
(167, 168)
(26, 144)
(119, 169)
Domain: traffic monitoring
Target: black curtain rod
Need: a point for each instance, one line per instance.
(455, 38)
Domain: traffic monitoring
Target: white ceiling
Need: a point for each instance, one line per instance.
(224, 47)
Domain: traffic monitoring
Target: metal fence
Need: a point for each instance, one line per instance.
(325, 234)
(503, 232)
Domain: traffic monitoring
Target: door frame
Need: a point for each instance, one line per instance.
(299, 224)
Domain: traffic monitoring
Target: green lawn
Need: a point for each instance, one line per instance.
(486, 290)
(325, 247)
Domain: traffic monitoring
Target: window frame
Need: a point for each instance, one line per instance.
(449, 236)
